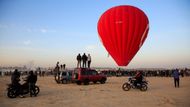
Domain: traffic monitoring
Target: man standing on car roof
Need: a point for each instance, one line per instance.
(79, 58)
(84, 59)
(89, 60)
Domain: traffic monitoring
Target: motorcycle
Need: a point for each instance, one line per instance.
(131, 84)
(13, 92)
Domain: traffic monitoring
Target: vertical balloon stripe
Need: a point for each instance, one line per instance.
(132, 29)
(141, 32)
(124, 30)
(112, 32)
(107, 25)
(137, 34)
(128, 33)
(119, 31)
(144, 36)
(102, 30)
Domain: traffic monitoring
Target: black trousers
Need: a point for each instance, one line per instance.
(78, 64)
(84, 64)
(89, 62)
(18, 88)
(176, 82)
(137, 81)
(32, 88)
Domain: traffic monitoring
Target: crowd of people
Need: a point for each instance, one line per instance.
(175, 73)
(84, 61)
(139, 74)
(147, 73)
(31, 78)
(58, 70)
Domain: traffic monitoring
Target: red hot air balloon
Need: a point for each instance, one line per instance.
(123, 30)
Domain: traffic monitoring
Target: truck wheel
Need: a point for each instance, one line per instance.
(86, 82)
(103, 80)
(78, 82)
(64, 81)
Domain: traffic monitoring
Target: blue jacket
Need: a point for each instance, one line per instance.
(176, 74)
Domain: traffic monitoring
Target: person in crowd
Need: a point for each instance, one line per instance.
(182, 73)
(84, 59)
(31, 80)
(176, 77)
(64, 65)
(79, 58)
(15, 78)
(43, 73)
(89, 60)
(57, 71)
(61, 68)
(138, 78)
(39, 71)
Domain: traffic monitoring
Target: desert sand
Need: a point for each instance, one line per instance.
(161, 92)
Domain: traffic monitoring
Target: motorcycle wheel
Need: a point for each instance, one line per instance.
(64, 81)
(37, 90)
(143, 87)
(12, 93)
(126, 87)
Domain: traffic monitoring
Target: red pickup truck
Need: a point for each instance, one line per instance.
(85, 76)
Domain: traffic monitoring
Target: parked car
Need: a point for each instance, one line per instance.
(64, 77)
(86, 75)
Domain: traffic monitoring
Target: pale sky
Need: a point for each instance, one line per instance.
(46, 31)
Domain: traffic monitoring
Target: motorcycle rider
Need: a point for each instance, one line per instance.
(138, 78)
(15, 78)
(31, 80)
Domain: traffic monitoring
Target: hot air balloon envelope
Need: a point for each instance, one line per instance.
(122, 30)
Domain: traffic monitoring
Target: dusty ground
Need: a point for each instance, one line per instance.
(161, 92)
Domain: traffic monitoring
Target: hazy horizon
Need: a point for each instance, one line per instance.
(46, 31)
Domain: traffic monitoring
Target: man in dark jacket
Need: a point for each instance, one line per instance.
(15, 78)
(32, 79)
(57, 73)
(138, 77)
(176, 77)
(84, 59)
(79, 58)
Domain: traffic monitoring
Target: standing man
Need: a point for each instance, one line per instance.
(31, 79)
(64, 65)
(15, 78)
(79, 58)
(176, 77)
(57, 72)
(89, 60)
(84, 59)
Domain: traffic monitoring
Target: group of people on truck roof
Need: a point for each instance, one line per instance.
(85, 59)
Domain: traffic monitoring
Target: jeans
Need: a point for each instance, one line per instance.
(32, 89)
(176, 82)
